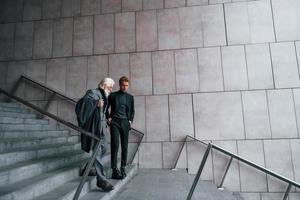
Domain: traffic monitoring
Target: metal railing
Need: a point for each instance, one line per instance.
(66, 123)
(211, 146)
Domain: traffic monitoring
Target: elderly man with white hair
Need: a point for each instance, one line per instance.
(91, 112)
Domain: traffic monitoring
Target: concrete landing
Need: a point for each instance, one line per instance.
(160, 184)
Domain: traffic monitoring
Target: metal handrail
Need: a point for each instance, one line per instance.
(71, 125)
(47, 88)
(211, 146)
(139, 143)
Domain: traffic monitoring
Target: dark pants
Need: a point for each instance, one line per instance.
(119, 130)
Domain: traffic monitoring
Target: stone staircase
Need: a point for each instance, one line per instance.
(39, 161)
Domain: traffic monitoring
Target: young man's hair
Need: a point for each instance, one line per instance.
(123, 79)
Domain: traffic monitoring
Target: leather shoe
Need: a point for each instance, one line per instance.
(116, 174)
(123, 172)
(105, 186)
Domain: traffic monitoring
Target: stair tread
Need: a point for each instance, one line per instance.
(3, 140)
(62, 190)
(16, 110)
(19, 114)
(28, 130)
(55, 129)
(43, 159)
(39, 147)
(16, 121)
(71, 186)
(9, 104)
(24, 126)
(36, 179)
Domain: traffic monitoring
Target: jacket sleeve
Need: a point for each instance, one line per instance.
(132, 109)
(111, 106)
(85, 108)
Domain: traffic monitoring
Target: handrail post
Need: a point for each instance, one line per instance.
(87, 171)
(225, 173)
(201, 167)
(14, 88)
(177, 159)
(137, 148)
(49, 101)
(287, 192)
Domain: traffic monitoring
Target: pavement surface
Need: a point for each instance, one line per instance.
(163, 184)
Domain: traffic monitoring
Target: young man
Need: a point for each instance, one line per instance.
(120, 120)
(91, 112)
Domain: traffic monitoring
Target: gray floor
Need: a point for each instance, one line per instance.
(155, 184)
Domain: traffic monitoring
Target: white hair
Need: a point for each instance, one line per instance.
(106, 81)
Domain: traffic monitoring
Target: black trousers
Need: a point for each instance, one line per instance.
(119, 129)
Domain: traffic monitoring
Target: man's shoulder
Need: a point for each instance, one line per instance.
(94, 93)
(113, 93)
(131, 96)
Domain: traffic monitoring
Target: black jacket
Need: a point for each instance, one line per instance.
(113, 103)
(90, 117)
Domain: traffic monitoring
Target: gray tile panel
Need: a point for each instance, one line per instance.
(210, 69)
(97, 70)
(181, 116)
(83, 36)
(125, 32)
(43, 36)
(163, 72)
(146, 31)
(282, 114)
(141, 73)
(63, 37)
(104, 34)
(157, 118)
(256, 115)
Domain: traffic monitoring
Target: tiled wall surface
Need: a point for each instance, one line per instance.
(225, 71)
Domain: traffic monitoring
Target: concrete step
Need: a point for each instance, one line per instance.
(10, 105)
(67, 191)
(14, 120)
(24, 170)
(16, 143)
(25, 154)
(19, 115)
(14, 109)
(41, 184)
(207, 190)
(37, 134)
(24, 127)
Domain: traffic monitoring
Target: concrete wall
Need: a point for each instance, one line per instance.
(225, 71)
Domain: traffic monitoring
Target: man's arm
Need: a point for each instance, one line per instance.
(109, 114)
(132, 109)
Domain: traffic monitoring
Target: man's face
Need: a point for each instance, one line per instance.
(124, 86)
(108, 89)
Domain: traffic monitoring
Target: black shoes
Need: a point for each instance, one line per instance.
(123, 172)
(116, 174)
(105, 186)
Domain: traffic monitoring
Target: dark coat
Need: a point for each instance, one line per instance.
(113, 103)
(90, 117)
